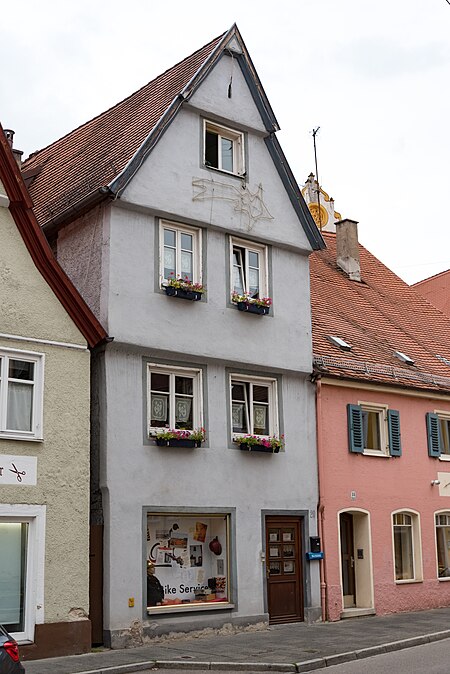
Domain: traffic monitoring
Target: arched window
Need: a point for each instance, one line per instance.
(407, 554)
(443, 543)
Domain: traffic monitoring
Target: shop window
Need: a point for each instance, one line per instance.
(443, 544)
(22, 546)
(174, 398)
(407, 552)
(188, 560)
(254, 406)
(20, 395)
(180, 252)
(374, 429)
(223, 148)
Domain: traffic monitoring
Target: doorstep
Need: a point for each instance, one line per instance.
(356, 612)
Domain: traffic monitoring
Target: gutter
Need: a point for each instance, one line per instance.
(320, 505)
(77, 208)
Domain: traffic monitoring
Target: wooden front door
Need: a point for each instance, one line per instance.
(284, 569)
(347, 559)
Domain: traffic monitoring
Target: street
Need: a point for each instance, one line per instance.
(430, 658)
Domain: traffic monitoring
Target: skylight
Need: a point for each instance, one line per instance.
(337, 341)
(403, 357)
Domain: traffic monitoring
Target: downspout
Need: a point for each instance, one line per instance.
(320, 505)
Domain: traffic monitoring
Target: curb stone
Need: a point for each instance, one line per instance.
(254, 666)
(310, 665)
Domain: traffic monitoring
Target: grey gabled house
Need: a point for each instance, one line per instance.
(177, 217)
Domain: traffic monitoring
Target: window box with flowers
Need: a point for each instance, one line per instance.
(255, 443)
(254, 305)
(179, 438)
(184, 288)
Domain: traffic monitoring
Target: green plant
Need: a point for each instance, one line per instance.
(246, 298)
(273, 442)
(184, 283)
(198, 434)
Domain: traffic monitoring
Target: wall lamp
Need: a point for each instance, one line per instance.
(434, 483)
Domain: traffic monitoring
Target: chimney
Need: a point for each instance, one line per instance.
(347, 251)
(9, 133)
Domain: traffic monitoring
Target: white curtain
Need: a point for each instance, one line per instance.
(20, 402)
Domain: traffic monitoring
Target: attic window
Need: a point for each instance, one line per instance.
(337, 341)
(223, 149)
(404, 358)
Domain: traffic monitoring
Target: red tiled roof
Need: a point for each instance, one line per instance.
(378, 316)
(20, 207)
(94, 154)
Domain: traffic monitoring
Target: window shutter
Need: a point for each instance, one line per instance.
(395, 441)
(434, 434)
(355, 429)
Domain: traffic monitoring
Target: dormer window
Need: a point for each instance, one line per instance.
(223, 148)
(403, 357)
(337, 341)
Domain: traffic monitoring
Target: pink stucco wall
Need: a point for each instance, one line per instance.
(382, 485)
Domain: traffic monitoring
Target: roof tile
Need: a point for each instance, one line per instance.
(377, 316)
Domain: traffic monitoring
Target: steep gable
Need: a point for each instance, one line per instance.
(97, 160)
(23, 222)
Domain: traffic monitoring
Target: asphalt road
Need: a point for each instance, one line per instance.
(430, 658)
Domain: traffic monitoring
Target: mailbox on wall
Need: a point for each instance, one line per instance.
(314, 543)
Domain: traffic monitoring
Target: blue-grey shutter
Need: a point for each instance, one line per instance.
(355, 429)
(434, 435)
(395, 440)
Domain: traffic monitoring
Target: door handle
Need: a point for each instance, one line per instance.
(352, 561)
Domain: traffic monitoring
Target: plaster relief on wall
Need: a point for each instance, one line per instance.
(244, 200)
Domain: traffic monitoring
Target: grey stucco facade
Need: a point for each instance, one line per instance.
(114, 257)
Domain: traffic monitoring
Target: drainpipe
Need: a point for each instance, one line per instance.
(320, 505)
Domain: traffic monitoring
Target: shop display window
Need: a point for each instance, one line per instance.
(187, 561)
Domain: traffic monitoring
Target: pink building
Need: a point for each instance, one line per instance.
(436, 289)
(382, 373)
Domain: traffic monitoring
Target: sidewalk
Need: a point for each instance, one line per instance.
(285, 648)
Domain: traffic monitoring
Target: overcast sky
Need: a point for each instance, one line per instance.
(374, 75)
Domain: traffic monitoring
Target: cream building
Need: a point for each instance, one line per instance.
(46, 331)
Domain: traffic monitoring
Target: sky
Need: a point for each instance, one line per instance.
(374, 76)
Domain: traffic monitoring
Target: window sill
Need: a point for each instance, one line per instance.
(176, 442)
(216, 169)
(9, 436)
(444, 579)
(184, 608)
(252, 308)
(192, 295)
(408, 582)
(446, 457)
(382, 455)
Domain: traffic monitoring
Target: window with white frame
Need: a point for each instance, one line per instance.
(407, 551)
(174, 398)
(438, 434)
(20, 394)
(374, 429)
(180, 252)
(223, 148)
(254, 406)
(22, 553)
(248, 268)
(443, 544)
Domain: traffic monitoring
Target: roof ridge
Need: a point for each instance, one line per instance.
(34, 154)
